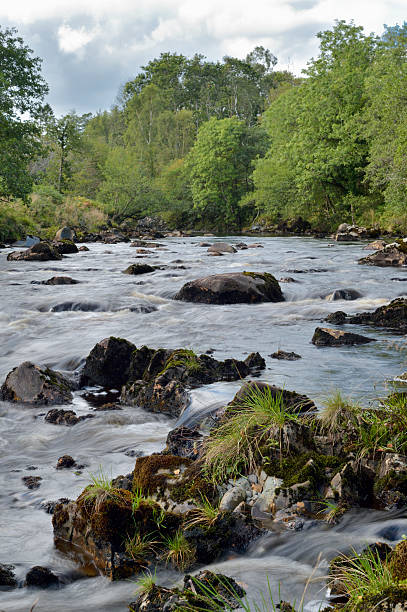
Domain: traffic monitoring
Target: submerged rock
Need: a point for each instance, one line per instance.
(138, 269)
(41, 577)
(7, 576)
(41, 251)
(64, 462)
(60, 280)
(31, 384)
(391, 316)
(65, 417)
(284, 355)
(32, 482)
(324, 336)
(232, 288)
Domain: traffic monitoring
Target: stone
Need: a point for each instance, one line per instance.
(64, 462)
(83, 248)
(376, 245)
(232, 499)
(60, 280)
(221, 247)
(265, 500)
(41, 251)
(184, 442)
(40, 577)
(324, 336)
(337, 318)
(108, 363)
(32, 482)
(296, 402)
(65, 247)
(36, 386)
(65, 417)
(65, 233)
(343, 294)
(285, 356)
(391, 255)
(232, 288)
(7, 576)
(138, 269)
(391, 316)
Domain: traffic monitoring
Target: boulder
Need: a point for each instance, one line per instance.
(391, 316)
(65, 233)
(324, 336)
(40, 577)
(138, 269)
(83, 248)
(184, 442)
(32, 482)
(391, 255)
(108, 363)
(337, 318)
(232, 288)
(41, 251)
(221, 247)
(65, 247)
(376, 245)
(65, 417)
(232, 498)
(343, 294)
(349, 233)
(36, 386)
(283, 355)
(65, 462)
(293, 401)
(7, 576)
(60, 280)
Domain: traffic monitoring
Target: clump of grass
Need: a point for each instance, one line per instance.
(364, 575)
(139, 547)
(205, 514)
(337, 412)
(145, 583)
(234, 445)
(179, 551)
(100, 488)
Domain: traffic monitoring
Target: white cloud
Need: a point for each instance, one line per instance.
(72, 40)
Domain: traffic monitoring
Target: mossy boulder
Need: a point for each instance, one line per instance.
(293, 401)
(136, 269)
(108, 363)
(156, 475)
(65, 247)
(232, 288)
(390, 316)
(30, 384)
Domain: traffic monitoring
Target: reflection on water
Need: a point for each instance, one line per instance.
(31, 329)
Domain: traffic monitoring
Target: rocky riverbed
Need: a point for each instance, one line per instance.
(56, 326)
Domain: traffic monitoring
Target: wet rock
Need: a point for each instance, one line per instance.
(65, 247)
(241, 246)
(232, 288)
(204, 244)
(353, 485)
(284, 355)
(108, 363)
(392, 316)
(184, 442)
(343, 294)
(7, 576)
(65, 417)
(41, 251)
(32, 482)
(376, 245)
(65, 462)
(40, 577)
(65, 233)
(108, 407)
(60, 280)
(76, 307)
(296, 402)
(221, 247)
(324, 336)
(138, 269)
(31, 384)
(113, 237)
(83, 248)
(49, 506)
(394, 254)
(287, 279)
(350, 233)
(265, 500)
(337, 318)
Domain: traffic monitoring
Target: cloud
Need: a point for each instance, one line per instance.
(91, 48)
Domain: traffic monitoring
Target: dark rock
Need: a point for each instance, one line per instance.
(108, 407)
(184, 442)
(32, 482)
(293, 401)
(294, 226)
(41, 577)
(83, 248)
(343, 294)
(232, 288)
(65, 233)
(49, 506)
(65, 247)
(30, 384)
(65, 417)
(41, 251)
(394, 254)
(66, 461)
(108, 363)
(241, 246)
(285, 356)
(60, 280)
(288, 279)
(7, 576)
(324, 336)
(337, 318)
(138, 269)
(221, 247)
(76, 307)
(392, 316)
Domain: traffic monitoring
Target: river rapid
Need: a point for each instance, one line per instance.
(140, 308)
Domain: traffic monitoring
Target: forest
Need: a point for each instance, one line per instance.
(213, 146)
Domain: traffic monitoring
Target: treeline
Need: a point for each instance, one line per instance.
(215, 145)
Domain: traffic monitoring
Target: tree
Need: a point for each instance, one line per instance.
(22, 91)
(220, 167)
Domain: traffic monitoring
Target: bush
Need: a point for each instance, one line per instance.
(15, 222)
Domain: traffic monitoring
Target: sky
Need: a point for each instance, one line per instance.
(92, 47)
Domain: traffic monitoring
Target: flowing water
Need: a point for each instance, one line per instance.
(34, 326)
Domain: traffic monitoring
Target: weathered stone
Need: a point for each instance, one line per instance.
(184, 442)
(30, 384)
(324, 336)
(376, 245)
(65, 233)
(65, 417)
(392, 316)
(337, 318)
(232, 498)
(293, 401)
(108, 363)
(391, 255)
(221, 247)
(232, 288)
(41, 251)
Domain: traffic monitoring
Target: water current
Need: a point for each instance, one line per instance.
(34, 326)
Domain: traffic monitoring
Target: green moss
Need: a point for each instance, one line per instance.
(183, 358)
(154, 472)
(392, 480)
(268, 279)
(298, 468)
(398, 562)
(193, 486)
(390, 597)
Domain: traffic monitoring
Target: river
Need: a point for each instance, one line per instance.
(32, 328)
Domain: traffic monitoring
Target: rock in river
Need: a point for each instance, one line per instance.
(65, 233)
(108, 363)
(30, 384)
(221, 247)
(324, 336)
(391, 316)
(394, 254)
(138, 269)
(232, 288)
(42, 251)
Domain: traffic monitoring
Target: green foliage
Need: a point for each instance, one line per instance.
(179, 551)
(338, 412)
(139, 546)
(15, 221)
(22, 90)
(205, 514)
(146, 583)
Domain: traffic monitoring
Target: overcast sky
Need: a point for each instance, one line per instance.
(91, 47)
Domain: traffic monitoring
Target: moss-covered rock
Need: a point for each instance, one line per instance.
(136, 269)
(391, 316)
(158, 474)
(398, 562)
